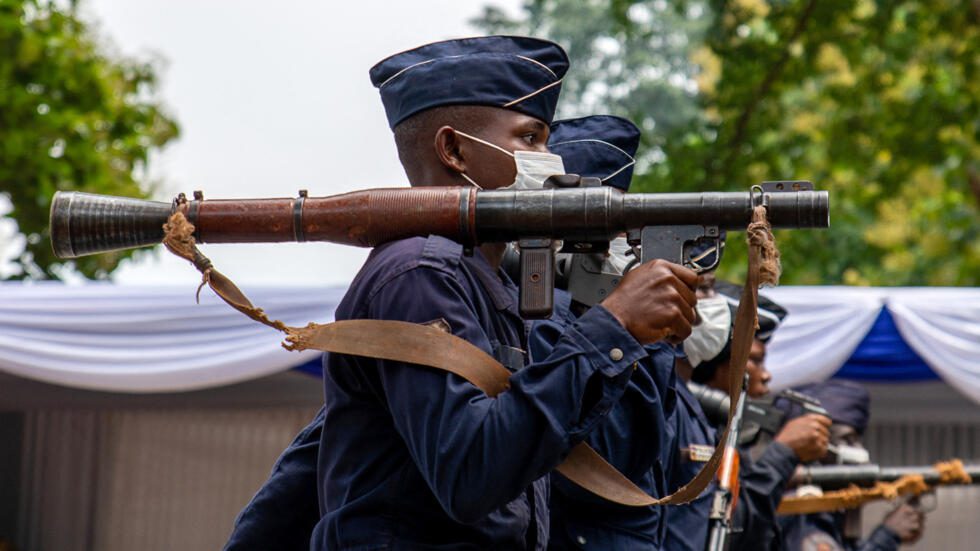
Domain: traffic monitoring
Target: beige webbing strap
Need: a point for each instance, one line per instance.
(763, 268)
(950, 472)
(432, 347)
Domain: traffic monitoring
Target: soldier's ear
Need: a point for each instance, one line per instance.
(449, 149)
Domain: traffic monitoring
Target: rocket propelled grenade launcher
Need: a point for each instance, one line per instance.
(585, 218)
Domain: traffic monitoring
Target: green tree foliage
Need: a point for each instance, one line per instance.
(876, 101)
(72, 117)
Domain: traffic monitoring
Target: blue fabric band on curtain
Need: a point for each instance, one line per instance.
(884, 356)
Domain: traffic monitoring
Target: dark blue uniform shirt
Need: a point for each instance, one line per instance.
(761, 485)
(413, 457)
(694, 436)
(824, 531)
(633, 437)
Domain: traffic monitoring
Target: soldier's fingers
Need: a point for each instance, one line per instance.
(686, 310)
(821, 419)
(685, 293)
(687, 275)
(680, 327)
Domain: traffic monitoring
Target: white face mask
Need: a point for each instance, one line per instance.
(533, 167)
(618, 259)
(850, 455)
(709, 337)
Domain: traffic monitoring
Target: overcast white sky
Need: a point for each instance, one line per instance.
(273, 97)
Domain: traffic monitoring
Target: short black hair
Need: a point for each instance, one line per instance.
(415, 133)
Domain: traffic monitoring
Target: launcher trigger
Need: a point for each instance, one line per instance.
(675, 243)
(537, 288)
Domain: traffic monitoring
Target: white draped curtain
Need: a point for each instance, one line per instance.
(149, 339)
(943, 327)
(157, 339)
(826, 324)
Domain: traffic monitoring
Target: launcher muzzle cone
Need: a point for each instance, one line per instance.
(86, 223)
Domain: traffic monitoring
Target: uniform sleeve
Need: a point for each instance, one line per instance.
(285, 509)
(882, 539)
(630, 438)
(761, 489)
(477, 453)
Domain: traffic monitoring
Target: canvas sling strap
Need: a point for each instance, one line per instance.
(429, 346)
(950, 472)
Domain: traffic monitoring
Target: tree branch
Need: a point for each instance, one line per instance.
(973, 176)
(742, 124)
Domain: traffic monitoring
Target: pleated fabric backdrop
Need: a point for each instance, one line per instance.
(152, 339)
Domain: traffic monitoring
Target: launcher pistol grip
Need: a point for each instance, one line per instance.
(537, 291)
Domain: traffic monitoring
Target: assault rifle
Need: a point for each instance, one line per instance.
(726, 493)
(835, 477)
(761, 415)
(824, 488)
(584, 218)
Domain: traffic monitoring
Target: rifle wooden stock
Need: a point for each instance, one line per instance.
(84, 224)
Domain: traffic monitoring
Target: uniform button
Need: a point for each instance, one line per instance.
(616, 354)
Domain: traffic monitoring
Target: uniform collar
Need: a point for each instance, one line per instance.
(502, 290)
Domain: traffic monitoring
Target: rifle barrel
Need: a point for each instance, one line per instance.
(835, 477)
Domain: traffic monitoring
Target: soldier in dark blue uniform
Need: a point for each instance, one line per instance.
(693, 435)
(633, 436)
(848, 404)
(705, 359)
(418, 458)
(695, 439)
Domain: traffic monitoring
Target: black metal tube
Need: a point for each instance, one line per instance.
(834, 477)
(83, 223)
(86, 223)
(596, 214)
(714, 402)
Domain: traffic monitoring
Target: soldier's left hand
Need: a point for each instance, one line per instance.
(906, 521)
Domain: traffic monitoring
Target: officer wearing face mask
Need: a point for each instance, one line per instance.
(533, 167)
(848, 404)
(633, 436)
(410, 457)
(705, 359)
(806, 435)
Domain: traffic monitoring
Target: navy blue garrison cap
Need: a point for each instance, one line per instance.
(512, 72)
(847, 402)
(771, 314)
(600, 146)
